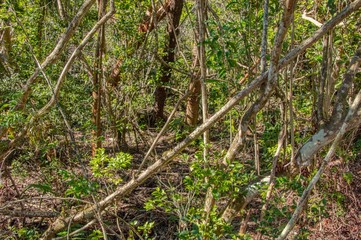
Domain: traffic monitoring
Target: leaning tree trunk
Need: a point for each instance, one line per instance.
(236, 204)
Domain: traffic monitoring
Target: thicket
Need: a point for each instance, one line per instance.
(180, 119)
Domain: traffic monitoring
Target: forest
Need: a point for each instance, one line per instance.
(180, 119)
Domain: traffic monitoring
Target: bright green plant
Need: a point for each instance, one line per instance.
(78, 186)
(25, 233)
(107, 167)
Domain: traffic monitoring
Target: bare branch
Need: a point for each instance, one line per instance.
(317, 23)
(60, 81)
(53, 56)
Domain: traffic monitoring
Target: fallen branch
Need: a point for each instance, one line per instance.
(25, 213)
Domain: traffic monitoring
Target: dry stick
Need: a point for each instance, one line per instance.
(26, 213)
(281, 139)
(60, 81)
(101, 223)
(264, 37)
(89, 224)
(60, 10)
(290, 99)
(167, 158)
(352, 113)
(263, 61)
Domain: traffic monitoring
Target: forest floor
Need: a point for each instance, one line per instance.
(28, 191)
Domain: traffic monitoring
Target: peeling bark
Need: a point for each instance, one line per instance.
(353, 117)
(192, 108)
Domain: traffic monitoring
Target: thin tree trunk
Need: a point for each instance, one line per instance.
(330, 80)
(46, 108)
(146, 26)
(97, 80)
(60, 10)
(42, 6)
(194, 88)
(174, 14)
(236, 204)
(353, 116)
(201, 28)
(320, 111)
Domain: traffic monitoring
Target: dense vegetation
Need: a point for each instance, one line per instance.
(180, 119)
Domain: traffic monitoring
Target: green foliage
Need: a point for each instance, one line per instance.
(189, 211)
(145, 230)
(96, 235)
(44, 188)
(158, 200)
(316, 209)
(26, 233)
(78, 186)
(107, 167)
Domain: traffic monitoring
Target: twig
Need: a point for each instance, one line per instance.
(78, 230)
(314, 21)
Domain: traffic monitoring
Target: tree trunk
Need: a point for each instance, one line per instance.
(97, 81)
(174, 14)
(192, 109)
